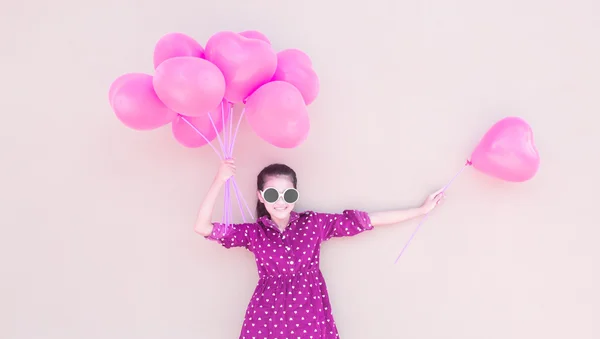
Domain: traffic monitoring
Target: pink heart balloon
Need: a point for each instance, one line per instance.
(297, 55)
(246, 63)
(277, 113)
(255, 35)
(507, 151)
(176, 45)
(295, 67)
(135, 103)
(119, 82)
(188, 85)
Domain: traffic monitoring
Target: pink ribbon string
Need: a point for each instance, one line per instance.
(226, 144)
(223, 149)
(427, 215)
(233, 136)
(202, 135)
(226, 199)
(227, 205)
(243, 201)
(222, 119)
(226, 155)
(231, 140)
(237, 128)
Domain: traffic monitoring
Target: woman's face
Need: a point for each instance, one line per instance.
(279, 209)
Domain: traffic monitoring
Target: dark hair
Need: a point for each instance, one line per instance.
(272, 170)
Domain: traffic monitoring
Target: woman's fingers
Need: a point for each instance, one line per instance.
(230, 163)
(439, 198)
(436, 195)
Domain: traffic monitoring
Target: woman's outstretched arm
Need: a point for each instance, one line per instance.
(399, 216)
(204, 225)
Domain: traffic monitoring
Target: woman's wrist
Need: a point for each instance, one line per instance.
(421, 211)
(219, 181)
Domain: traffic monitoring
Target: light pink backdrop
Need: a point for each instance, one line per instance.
(97, 238)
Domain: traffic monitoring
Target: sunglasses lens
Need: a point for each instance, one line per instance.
(290, 196)
(270, 195)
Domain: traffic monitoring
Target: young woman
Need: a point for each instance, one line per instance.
(291, 299)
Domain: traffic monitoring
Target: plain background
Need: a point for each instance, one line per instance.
(97, 238)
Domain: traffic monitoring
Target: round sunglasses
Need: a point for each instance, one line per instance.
(271, 195)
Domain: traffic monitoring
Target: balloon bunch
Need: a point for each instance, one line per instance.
(507, 152)
(195, 88)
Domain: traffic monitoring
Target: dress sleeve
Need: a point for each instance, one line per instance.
(234, 235)
(345, 224)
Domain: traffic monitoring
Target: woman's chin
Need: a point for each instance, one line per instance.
(280, 213)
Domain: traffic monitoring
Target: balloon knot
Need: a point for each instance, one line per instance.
(469, 163)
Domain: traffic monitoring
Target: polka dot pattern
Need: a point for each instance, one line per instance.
(291, 299)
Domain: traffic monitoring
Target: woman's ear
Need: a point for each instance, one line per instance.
(259, 196)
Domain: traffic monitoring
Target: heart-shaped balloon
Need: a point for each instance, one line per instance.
(176, 45)
(246, 63)
(295, 67)
(507, 151)
(277, 113)
(135, 103)
(255, 35)
(188, 85)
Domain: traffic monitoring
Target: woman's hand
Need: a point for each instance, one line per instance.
(432, 201)
(226, 170)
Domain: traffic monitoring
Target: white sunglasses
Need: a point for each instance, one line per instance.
(271, 195)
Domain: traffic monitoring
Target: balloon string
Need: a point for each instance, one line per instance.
(224, 115)
(202, 135)
(229, 154)
(237, 128)
(226, 155)
(229, 210)
(226, 196)
(229, 143)
(468, 163)
(218, 137)
(225, 217)
(237, 196)
(231, 140)
(243, 200)
(226, 202)
(226, 152)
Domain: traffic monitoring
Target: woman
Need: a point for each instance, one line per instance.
(291, 299)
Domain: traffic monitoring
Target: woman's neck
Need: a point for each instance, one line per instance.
(281, 223)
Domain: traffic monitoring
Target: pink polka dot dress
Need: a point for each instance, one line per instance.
(290, 300)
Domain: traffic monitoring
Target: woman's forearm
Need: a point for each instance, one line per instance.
(204, 224)
(396, 216)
